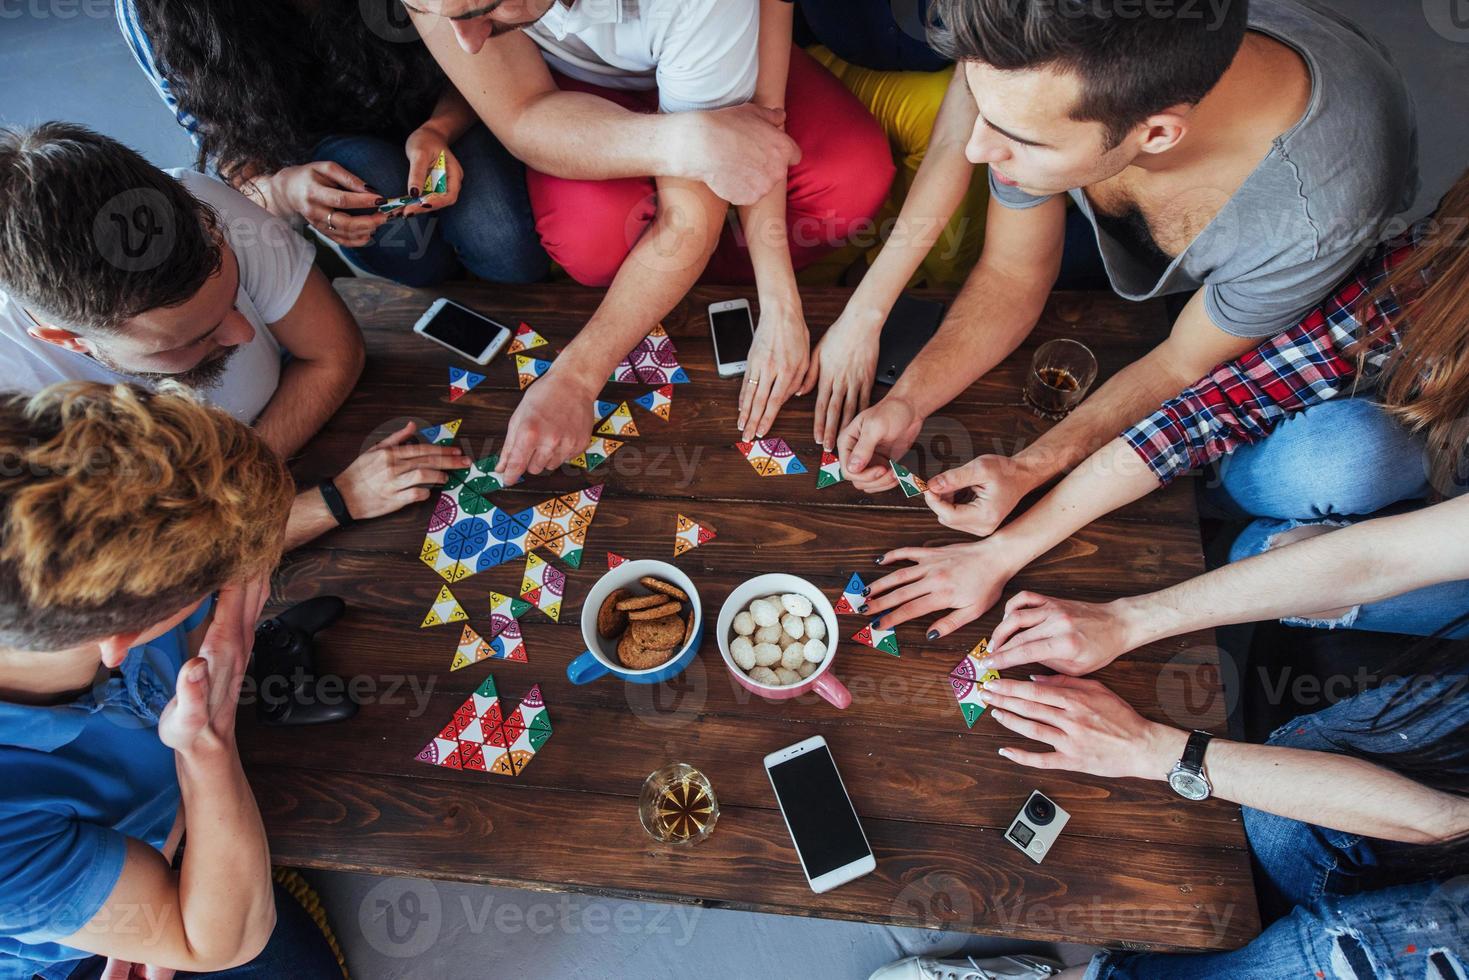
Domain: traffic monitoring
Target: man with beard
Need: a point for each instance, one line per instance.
(113, 270)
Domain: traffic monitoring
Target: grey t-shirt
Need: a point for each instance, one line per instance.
(1314, 206)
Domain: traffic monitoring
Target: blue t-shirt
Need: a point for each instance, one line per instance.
(81, 778)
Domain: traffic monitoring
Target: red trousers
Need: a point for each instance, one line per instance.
(590, 226)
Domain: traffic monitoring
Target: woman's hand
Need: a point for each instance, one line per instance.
(842, 370)
(998, 483)
(323, 193)
(395, 473)
(424, 146)
(964, 578)
(776, 366)
(1091, 729)
(1067, 636)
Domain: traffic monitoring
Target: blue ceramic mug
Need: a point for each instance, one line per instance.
(600, 658)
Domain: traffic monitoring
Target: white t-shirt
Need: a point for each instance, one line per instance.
(698, 54)
(274, 262)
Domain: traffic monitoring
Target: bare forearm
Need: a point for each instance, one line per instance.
(764, 225)
(309, 393)
(309, 519)
(579, 136)
(452, 116)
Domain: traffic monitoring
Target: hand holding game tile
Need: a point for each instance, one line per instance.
(550, 426)
(394, 473)
(776, 367)
(965, 578)
(1067, 636)
(433, 170)
(326, 194)
(883, 432)
(998, 484)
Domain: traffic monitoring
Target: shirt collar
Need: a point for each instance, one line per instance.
(561, 20)
(133, 699)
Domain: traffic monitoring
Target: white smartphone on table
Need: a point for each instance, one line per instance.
(818, 813)
(463, 331)
(733, 330)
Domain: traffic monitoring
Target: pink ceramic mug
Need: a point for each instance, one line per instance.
(823, 681)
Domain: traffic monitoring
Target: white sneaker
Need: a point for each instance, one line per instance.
(969, 968)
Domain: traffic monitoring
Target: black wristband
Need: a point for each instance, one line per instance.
(1193, 751)
(335, 503)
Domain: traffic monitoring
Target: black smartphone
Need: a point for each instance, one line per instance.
(911, 324)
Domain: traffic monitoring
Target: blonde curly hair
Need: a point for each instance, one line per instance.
(122, 505)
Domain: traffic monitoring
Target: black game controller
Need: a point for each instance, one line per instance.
(287, 687)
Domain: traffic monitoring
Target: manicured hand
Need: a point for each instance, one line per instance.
(323, 192)
(423, 146)
(998, 482)
(201, 716)
(779, 356)
(739, 152)
(1069, 637)
(965, 579)
(553, 423)
(1091, 729)
(395, 473)
(842, 371)
(883, 432)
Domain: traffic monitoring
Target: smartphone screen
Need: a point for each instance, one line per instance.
(469, 333)
(733, 334)
(822, 821)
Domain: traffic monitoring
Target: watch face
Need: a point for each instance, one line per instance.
(1189, 785)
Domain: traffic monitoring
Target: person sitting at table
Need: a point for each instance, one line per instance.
(1247, 159)
(322, 111)
(113, 270)
(596, 98)
(1395, 335)
(123, 510)
(1357, 817)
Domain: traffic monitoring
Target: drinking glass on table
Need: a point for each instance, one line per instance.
(1061, 373)
(677, 805)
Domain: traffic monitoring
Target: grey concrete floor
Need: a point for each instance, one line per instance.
(63, 59)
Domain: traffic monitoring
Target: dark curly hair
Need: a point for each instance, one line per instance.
(267, 80)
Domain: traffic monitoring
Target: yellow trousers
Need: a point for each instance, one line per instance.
(906, 104)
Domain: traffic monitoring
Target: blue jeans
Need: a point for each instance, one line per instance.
(1332, 464)
(489, 231)
(884, 35)
(1333, 920)
(296, 949)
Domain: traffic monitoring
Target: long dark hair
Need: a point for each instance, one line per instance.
(268, 80)
(1431, 676)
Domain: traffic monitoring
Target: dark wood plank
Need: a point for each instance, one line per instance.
(474, 829)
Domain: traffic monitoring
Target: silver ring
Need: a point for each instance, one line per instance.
(329, 216)
(753, 381)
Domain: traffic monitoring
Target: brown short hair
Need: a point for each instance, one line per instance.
(120, 506)
(1133, 59)
(91, 234)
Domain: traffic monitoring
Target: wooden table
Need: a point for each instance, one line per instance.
(1137, 867)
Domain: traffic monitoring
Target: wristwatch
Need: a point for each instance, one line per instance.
(335, 503)
(1187, 775)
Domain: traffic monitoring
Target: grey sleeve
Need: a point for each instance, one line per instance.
(1263, 303)
(1013, 197)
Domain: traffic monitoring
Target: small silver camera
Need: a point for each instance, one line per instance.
(1037, 825)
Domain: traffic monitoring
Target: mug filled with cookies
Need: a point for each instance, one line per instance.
(777, 634)
(642, 621)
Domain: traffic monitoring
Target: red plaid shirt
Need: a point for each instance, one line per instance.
(1242, 401)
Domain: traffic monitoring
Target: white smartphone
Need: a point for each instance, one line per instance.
(463, 331)
(733, 330)
(819, 814)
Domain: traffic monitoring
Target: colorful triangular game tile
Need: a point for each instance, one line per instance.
(967, 678)
(509, 645)
(598, 451)
(472, 649)
(446, 609)
(462, 382)
(659, 401)
(436, 181)
(654, 361)
(613, 560)
(481, 737)
(543, 586)
(878, 639)
(688, 534)
(830, 472)
(619, 423)
(504, 611)
(441, 435)
(771, 457)
(525, 339)
(854, 596)
(912, 484)
(601, 409)
(528, 369)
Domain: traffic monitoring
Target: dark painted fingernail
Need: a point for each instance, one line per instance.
(380, 201)
(877, 560)
(427, 206)
(867, 591)
(933, 634)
